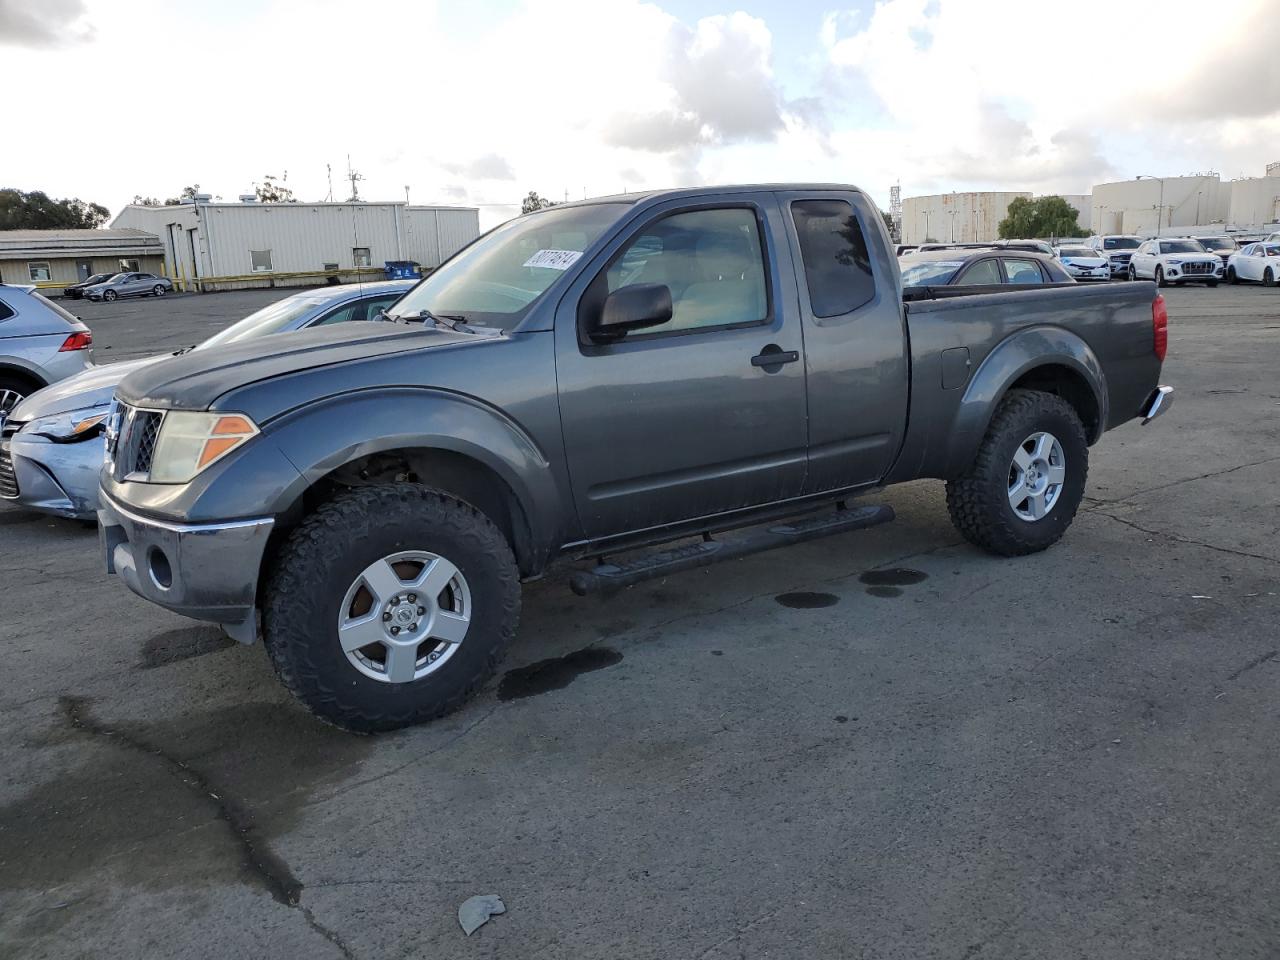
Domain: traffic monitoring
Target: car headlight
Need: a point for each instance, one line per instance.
(190, 442)
(1174, 263)
(71, 427)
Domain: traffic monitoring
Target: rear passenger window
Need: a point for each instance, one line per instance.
(5, 312)
(1023, 271)
(837, 266)
(984, 271)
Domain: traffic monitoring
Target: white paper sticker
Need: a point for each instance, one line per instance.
(554, 259)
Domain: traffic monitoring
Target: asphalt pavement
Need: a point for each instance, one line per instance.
(880, 745)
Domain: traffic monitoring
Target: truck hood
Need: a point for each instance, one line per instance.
(194, 381)
(89, 388)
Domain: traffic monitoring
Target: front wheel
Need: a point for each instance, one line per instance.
(390, 605)
(158, 290)
(1231, 276)
(1268, 278)
(108, 295)
(1160, 280)
(1133, 273)
(1023, 488)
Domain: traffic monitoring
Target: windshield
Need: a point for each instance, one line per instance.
(497, 279)
(1120, 243)
(1180, 246)
(272, 318)
(932, 272)
(1078, 252)
(98, 278)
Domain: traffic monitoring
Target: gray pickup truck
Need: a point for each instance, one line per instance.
(590, 381)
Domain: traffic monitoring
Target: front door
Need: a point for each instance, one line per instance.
(84, 269)
(704, 414)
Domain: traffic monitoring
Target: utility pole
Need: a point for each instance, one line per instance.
(1160, 208)
(406, 194)
(355, 178)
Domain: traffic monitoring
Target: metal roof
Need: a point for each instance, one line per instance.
(73, 243)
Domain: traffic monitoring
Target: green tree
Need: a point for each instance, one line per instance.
(888, 225)
(38, 211)
(534, 202)
(140, 201)
(273, 190)
(1041, 217)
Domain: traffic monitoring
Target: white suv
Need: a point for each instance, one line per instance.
(1175, 261)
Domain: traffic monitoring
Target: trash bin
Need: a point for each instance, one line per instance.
(402, 270)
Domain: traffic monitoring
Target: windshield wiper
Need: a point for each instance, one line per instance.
(447, 321)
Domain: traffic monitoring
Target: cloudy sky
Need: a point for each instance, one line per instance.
(482, 101)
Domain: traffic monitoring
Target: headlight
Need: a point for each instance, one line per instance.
(70, 427)
(1174, 263)
(189, 442)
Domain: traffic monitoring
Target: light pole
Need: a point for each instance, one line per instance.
(1160, 209)
(952, 215)
(927, 238)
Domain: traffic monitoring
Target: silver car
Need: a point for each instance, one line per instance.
(40, 343)
(132, 284)
(51, 447)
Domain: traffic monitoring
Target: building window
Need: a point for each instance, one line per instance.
(261, 260)
(128, 265)
(360, 255)
(39, 270)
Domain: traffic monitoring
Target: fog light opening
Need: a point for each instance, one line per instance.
(161, 571)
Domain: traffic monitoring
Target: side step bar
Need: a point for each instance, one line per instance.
(609, 577)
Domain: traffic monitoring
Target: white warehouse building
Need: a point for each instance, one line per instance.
(1140, 206)
(972, 217)
(220, 246)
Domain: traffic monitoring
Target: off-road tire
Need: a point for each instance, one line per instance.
(326, 553)
(978, 501)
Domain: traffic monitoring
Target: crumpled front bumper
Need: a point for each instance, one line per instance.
(57, 478)
(202, 571)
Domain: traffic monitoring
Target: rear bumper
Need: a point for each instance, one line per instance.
(1158, 403)
(202, 571)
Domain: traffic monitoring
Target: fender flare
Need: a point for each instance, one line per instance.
(326, 435)
(1017, 355)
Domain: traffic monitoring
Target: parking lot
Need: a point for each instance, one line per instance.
(884, 744)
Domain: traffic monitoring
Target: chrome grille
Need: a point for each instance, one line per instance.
(8, 481)
(1197, 268)
(134, 444)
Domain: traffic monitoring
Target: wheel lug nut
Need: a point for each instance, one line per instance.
(412, 598)
(421, 611)
(386, 616)
(413, 628)
(395, 631)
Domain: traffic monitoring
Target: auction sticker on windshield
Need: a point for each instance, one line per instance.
(554, 259)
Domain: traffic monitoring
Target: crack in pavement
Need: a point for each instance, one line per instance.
(1179, 538)
(271, 871)
(1176, 483)
(267, 867)
(1253, 664)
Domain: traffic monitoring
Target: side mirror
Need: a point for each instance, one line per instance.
(633, 307)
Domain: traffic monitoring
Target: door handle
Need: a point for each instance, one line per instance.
(774, 356)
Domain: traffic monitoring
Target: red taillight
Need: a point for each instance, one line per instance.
(77, 341)
(1159, 327)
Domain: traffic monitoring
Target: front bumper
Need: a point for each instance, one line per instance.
(1090, 273)
(203, 571)
(57, 478)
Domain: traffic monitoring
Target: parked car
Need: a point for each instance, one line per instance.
(1175, 261)
(1084, 263)
(941, 268)
(1117, 248)
(1221, 245)
(76, 290)
(40, 343)
(1029, 246)
(588, 379)
(51, 447)
(129, 285)
(1258, 262)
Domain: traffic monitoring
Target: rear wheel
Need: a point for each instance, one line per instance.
(158, 290)
(390, 605)
(1023, 488)
(13, 390)
(1268, 278)
(108, 295)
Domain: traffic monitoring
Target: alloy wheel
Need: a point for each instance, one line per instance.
(1036, 476)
